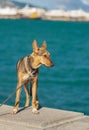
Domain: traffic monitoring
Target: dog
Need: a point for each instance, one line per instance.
(27, 71)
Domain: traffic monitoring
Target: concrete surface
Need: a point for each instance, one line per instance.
(47, 119)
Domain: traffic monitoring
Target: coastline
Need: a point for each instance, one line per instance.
(38, 13)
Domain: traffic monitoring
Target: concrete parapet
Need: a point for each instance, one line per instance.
(47, 119)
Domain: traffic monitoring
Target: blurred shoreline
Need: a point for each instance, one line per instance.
(39, 13)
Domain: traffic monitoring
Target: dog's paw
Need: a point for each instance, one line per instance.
(35, 111)
(15, 111)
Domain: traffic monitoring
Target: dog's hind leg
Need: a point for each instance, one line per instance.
(27, 95)
(19, 88)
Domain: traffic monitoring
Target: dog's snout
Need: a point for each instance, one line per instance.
(52, 64)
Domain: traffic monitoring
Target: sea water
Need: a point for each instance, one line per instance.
(66, 85)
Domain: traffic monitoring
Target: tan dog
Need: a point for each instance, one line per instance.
(27, 69)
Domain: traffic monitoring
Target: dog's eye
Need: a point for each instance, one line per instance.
(45, 55)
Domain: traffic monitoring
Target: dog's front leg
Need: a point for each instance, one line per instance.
(17, 98)
(34, 96)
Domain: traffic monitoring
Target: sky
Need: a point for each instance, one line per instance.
(59, 4)
(85, 2)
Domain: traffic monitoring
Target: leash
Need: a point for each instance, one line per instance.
(10, 96)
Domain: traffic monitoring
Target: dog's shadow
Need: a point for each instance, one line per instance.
(24, 108)
(20, 110)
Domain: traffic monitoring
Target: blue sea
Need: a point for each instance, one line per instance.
(66, 85)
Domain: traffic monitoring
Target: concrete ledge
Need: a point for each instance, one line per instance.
(47, 119)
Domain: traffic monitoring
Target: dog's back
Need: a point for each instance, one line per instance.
(22, 64)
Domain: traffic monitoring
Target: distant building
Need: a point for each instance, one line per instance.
(72, 15)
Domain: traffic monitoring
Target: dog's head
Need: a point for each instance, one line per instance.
(41, 55)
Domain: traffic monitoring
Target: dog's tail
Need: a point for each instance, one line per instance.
(31, 90)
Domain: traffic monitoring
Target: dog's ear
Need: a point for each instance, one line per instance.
(35, 46)
(44, 45)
